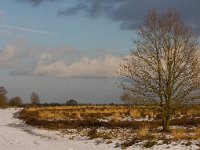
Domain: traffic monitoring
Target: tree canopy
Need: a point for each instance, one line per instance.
(163, 66)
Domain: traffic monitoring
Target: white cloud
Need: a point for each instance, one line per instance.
(7, 55)
(19, 58)
(12, 55)
(100, 67)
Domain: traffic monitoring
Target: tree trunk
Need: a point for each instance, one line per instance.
(166, 122)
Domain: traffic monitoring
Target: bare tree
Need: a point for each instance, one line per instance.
(163, 67)
(35, 98)
(15, 101)
(3, 98)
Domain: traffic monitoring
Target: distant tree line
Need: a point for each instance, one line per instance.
(5, 102)
(35, 101)
(16, 101)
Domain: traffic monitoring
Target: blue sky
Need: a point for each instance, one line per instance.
(38, 29)
(71, 49)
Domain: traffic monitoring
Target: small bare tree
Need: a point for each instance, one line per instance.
(163, 67)
(35, 98)
(3, 98)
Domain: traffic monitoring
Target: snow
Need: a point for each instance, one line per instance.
(15, 135)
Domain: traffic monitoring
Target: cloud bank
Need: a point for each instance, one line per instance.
(36, 2)
(20, 59)
(130, 13)
(100, 67)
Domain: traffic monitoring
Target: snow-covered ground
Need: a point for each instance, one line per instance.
(15, 135)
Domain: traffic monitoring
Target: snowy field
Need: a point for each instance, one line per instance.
(15, 135)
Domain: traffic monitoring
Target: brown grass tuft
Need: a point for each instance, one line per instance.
(197, 133)
(143, 132)
(135, 113)
(179, 134)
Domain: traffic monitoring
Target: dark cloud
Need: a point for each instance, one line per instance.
(73, 10)
(130, 13)
(37, 2)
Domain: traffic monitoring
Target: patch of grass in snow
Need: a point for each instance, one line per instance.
(149, 143)
(179, 134)
(143, 132)
(130, 142)
(196, 134)
(92, 134)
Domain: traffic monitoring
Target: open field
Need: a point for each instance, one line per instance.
(128, 124)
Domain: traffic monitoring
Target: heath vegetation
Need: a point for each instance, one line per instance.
(131, 124)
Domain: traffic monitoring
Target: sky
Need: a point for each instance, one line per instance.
(71, 49)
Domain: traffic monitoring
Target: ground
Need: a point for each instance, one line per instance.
(15, 135)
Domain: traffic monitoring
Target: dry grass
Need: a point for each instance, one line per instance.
(64, 112)
(112, 117)
(108, 113)
(197, 133)
(116, 117)
(191, 112)
(135, 113)
(143, 132)
(179, 134)
(87, 116)
(125, 123)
